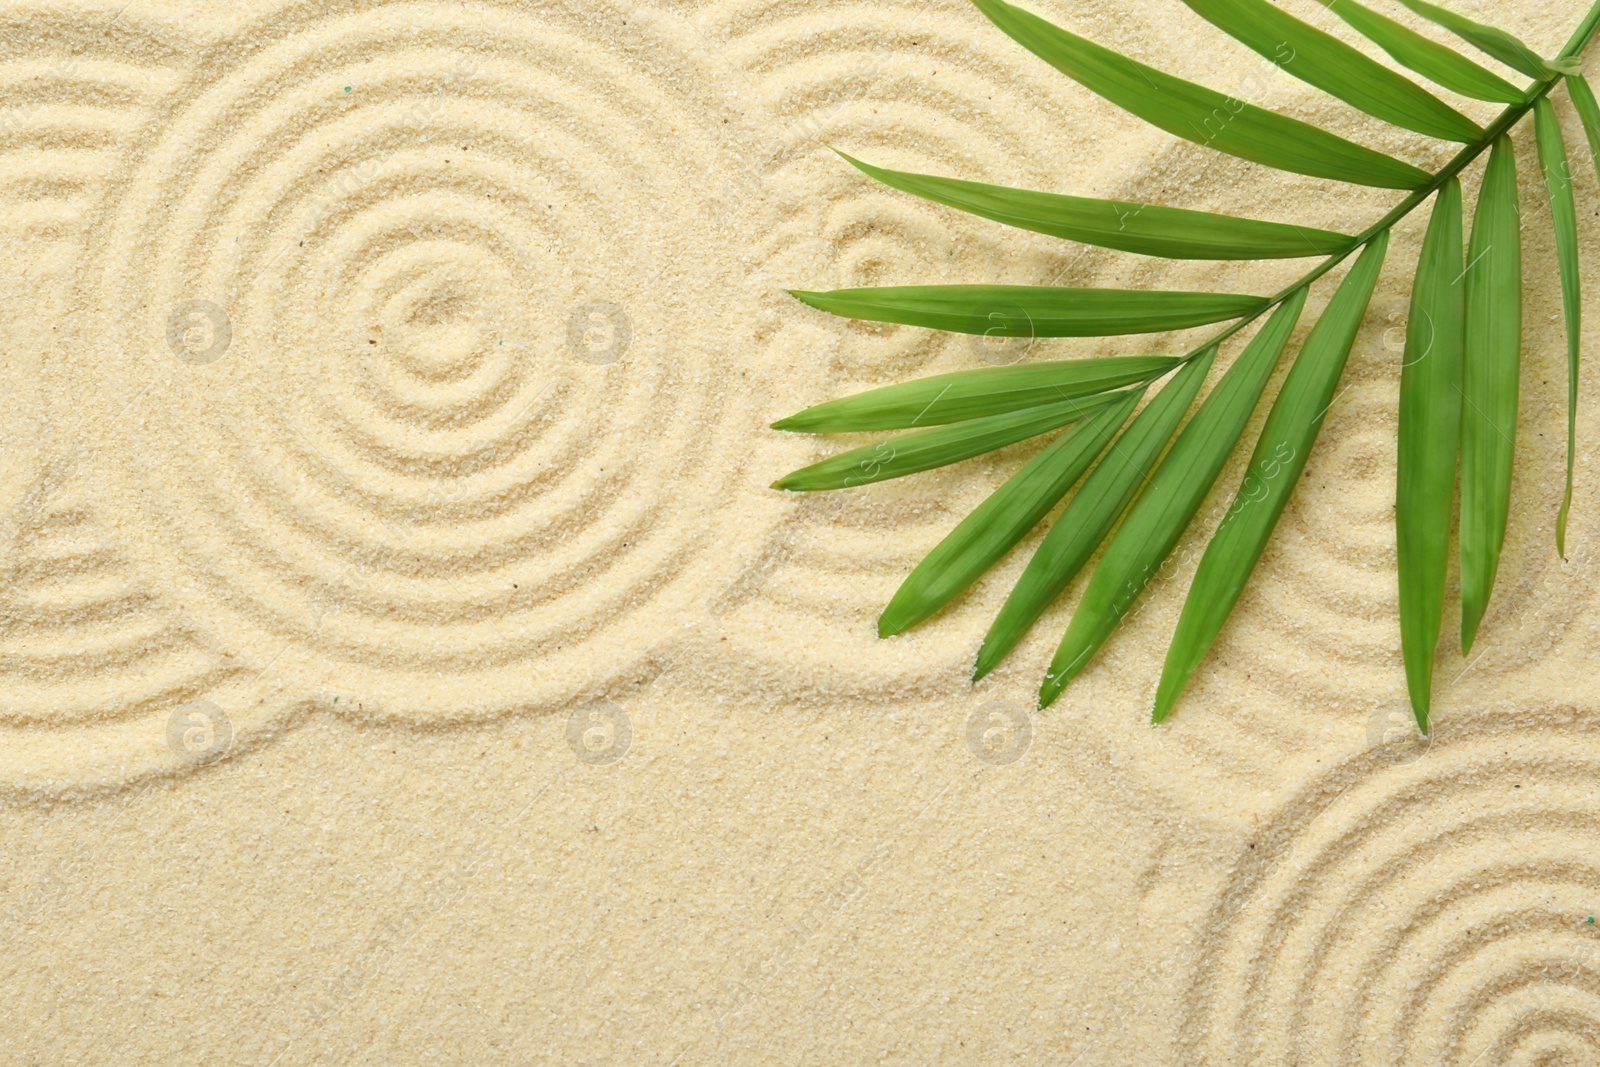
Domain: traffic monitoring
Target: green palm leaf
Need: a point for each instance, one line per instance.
(1489, 40)
(1334, 67)
(970, 394)
(1493, 367)
(937, 446)
(1146, 229)
(1034, 310)
(1589, 112)
(1564, 213)
(1198, 114)
(1001, 521)
(1093, 510)
(1459, 382)
(1430, 436)
(1428, 58)
(1175, 492)
(1275, 467)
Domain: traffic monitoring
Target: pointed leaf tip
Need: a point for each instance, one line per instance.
(1004, 519)
(939, 446)
(1093, 511)
(1280, 455)
(1173, 495)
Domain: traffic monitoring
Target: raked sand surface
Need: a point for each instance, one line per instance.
(403, 659)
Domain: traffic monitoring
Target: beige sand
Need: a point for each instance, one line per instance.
(404, 661)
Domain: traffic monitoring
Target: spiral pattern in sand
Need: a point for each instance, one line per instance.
(355, 294)
(1440, 911)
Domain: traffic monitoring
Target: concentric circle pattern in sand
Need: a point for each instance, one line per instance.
(88, 646)
(1440, 911)
(386, 419)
